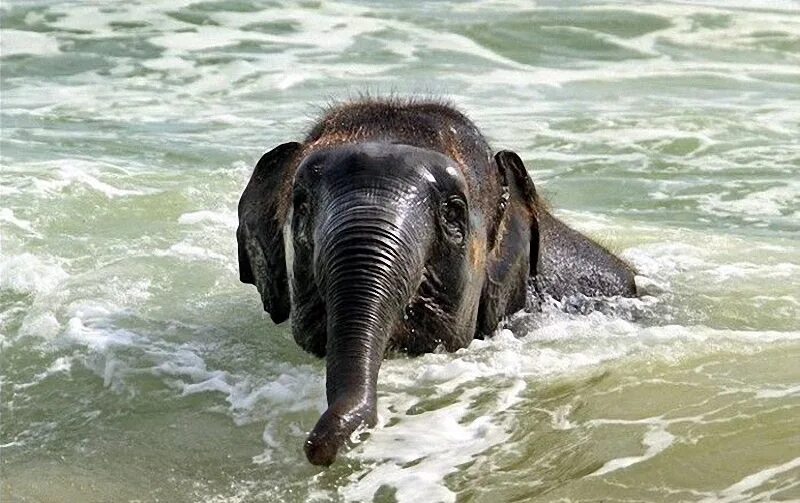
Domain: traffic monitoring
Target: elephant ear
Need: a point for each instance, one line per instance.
(513, 246)
(522, 198)
(262, 212)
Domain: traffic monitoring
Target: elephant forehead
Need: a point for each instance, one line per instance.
(382, 165)
(377, 155)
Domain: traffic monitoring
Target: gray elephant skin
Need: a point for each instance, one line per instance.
(394, 227)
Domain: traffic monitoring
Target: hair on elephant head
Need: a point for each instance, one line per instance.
(391, 227)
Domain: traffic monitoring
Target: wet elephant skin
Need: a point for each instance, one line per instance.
(394, 227)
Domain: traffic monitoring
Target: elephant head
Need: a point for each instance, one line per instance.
(373, 246)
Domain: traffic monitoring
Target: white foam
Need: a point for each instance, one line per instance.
(317, 53)
(52, 177)
(666, 259)
(417, 457)
(172, 64)
(7, 216)
(27, 273)
(98, 20)
(741, 491)
(189, 251)
(92, 325)
(220, 217)
(60, 365)
(656, 440)
(205, 37)
(40, 324)
(331, 27)
(790, 5)
(16, 42)
(778, 392)
(560, 418)
(93, 330)
(739, 270)
(442, 440)
(72, 173)
(772, 202)
(289, 390)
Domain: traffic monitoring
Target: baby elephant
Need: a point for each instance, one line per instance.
(393, 227)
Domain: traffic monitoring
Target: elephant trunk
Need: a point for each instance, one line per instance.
(370, 261)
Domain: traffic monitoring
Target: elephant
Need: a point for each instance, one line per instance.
(393, 227)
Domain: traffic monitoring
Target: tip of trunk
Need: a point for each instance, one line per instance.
(334, 428)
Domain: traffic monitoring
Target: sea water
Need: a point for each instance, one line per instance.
(136, 367)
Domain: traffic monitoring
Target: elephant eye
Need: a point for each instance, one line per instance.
(454, 218)
(454, 209)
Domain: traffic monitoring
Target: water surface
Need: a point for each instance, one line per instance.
(135, 366)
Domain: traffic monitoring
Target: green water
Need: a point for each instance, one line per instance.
(135, 366)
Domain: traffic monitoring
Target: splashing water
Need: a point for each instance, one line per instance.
(134, 366)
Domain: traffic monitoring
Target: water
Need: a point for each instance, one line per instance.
(135, 366)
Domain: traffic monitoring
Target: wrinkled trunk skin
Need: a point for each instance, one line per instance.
(370, 259)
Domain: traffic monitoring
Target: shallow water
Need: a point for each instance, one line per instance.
(135, 366)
